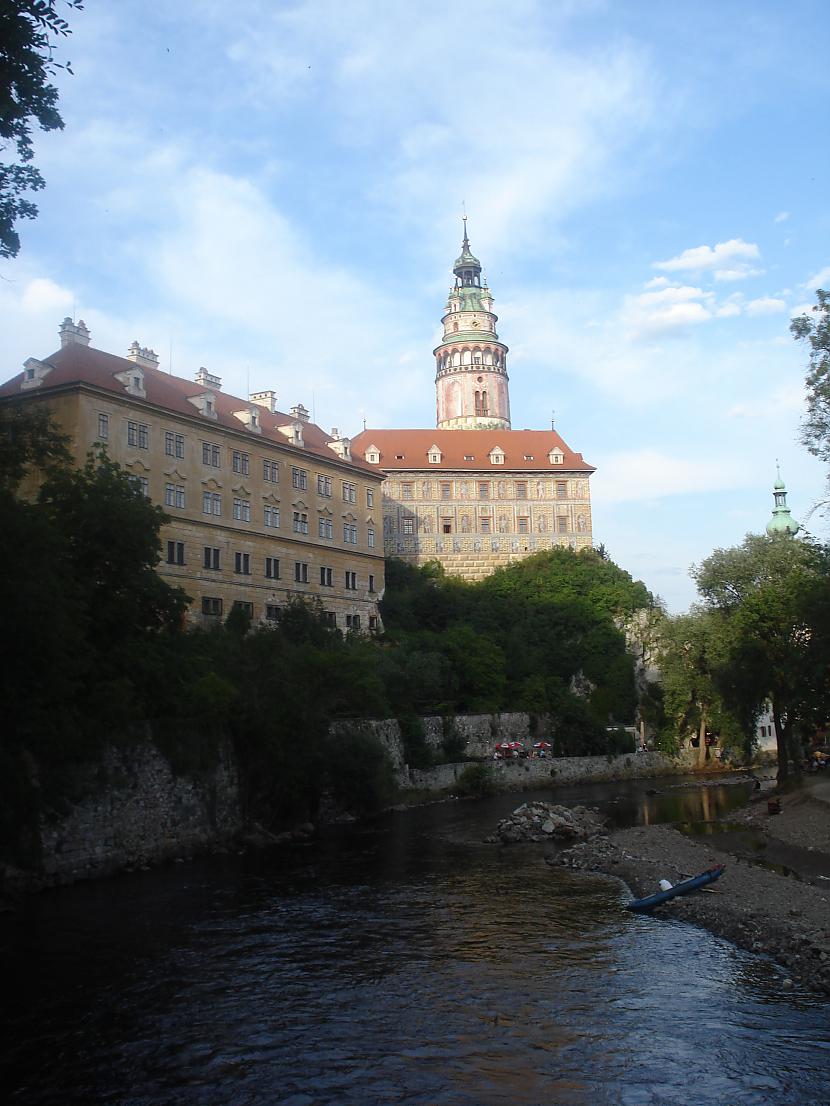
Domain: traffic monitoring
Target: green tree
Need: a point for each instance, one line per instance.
(28, 32)
(815, 330)
(772, 596)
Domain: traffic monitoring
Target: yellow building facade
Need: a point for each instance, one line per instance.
(263, 506)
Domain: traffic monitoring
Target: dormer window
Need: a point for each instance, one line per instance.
(556, 456)
(133, 381)
(434, 455)
(249, 417)
(205, 404)
(469, 457)
(372, 456)
(496, 456)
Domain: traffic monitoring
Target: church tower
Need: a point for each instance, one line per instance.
(470, 362)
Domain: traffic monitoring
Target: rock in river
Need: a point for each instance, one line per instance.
(545, 821)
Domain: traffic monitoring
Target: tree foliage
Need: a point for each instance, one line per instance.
(28, 32)
(814, 329)
(770, 601)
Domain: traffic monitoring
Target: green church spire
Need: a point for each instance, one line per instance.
(782, 524)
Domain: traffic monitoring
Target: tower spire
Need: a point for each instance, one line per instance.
(471, 361)
(782, 524)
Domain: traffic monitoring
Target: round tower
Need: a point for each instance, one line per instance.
(470, 362)
(782, 524)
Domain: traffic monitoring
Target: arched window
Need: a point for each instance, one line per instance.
(484, 404)
(476, 358)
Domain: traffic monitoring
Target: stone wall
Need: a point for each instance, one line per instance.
(138, 811)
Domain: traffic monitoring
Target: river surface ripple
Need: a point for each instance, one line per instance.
(402, 962)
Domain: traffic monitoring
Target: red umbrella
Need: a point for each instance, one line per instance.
(542, 745)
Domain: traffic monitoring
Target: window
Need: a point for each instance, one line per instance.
(496, 458)
(371, 582)
(138, 434)
(446, 491)
(211, 606)
(272, 568)
(561, 490)
(211, 503)
(211, 455)
(349, 533)
(485, 524)
(272, 612)
(325, 528)
(301, 572)
(446, 525)
(409, 526)
(271, 516)
(373, 621)
(211, 557)
(325, 577)
(324, 486)
(241, 462)
(175, 552)
(523, 524)
(521, 489)
(562, 524)
(352, 621)
(103, 427)
(242, 510)
(469, 457)
(246, 608)
(300, 522)
(242, 563)
(406, 491)
(484, 490)
(299, 478)
(142, 484)
(271, 472)
(370, 537)
(174, 496)
(528, 456)
(351, 581)
(173, 444)
(370, 498)
(329, 619)
(434, 458)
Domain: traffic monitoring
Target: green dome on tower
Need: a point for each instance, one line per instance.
(782, 524)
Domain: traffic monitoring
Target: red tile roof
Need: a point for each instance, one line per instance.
(76, 363)
(524, 450)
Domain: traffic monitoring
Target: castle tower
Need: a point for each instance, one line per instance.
(782, 523)
(470, 362)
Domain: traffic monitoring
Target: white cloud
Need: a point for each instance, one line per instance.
(649, 474)
(727, 260)
(41, 296)
(770, 406)
(657, 282)
(667, 309)
(765, 305)
(818, 280)
(781, 217)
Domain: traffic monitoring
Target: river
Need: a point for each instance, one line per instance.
(398, 962)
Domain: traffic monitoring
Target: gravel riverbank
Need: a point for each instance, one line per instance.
(774, 896)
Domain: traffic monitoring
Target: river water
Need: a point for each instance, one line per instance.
(399, 962)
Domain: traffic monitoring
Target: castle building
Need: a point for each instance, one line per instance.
(263, 506)
(473, 493)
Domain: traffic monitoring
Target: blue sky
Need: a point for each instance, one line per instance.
(274, 191)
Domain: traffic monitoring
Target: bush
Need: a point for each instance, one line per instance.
(620, 742)
(416, 752)
(358, 773)
(476, 781)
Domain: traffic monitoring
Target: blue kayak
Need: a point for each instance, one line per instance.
(688, 885)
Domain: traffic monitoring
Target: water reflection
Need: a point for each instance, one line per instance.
(404, 963)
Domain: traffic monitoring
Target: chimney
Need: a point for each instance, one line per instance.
(72, 334)
(300, 412)
(267, 399)
(141, 355)
(207, 380)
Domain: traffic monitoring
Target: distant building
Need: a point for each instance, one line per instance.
(782, 523)
(473, 493)
(264, 506)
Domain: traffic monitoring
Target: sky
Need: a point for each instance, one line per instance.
(274, 191)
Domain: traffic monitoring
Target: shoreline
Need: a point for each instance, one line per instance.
(774, 896)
